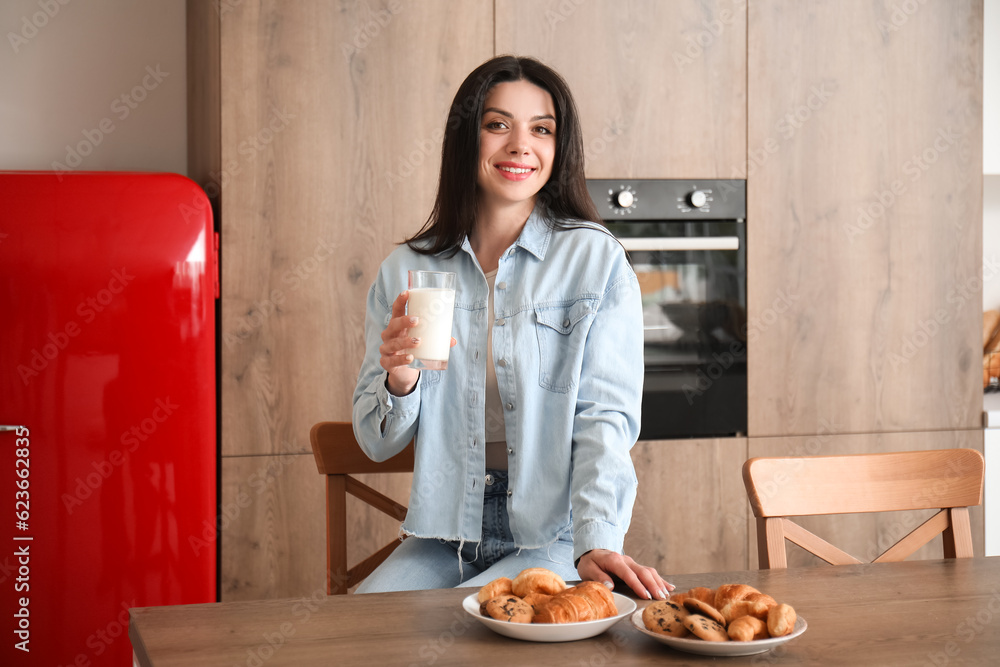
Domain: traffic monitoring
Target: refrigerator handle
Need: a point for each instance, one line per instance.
(7, 427)
(218, 281)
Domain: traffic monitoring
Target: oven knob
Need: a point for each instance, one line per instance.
(697, 199)
(624, 199)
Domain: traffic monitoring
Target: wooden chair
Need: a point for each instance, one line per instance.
(338, 456)
(950, 480)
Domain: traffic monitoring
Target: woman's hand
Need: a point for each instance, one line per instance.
(394, 350)
(599, 564)
(396, 343)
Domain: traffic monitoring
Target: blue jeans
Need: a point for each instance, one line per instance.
(421, 563)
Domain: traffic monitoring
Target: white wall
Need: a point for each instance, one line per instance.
(93, 85)
(991, 154)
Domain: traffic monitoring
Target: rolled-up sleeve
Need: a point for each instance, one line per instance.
(607, 419)
(383, 424)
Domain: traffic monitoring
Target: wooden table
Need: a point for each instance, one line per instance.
(936, 613)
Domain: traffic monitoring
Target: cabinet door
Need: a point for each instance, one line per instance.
(690, 511)
(864, 216)
(661, 86)
(332, 119)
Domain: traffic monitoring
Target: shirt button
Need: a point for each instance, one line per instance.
(509, 493)
(510, 451)
(501, 322)
(510, 406)
(501, 285)
(566, 323)
(502, 363)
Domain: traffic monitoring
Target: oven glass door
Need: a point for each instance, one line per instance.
(692, 276)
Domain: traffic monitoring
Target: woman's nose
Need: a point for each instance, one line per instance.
(517, 143)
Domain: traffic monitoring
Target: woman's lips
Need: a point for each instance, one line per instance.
(514, 171)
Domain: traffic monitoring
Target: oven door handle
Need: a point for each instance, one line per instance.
(682, 243)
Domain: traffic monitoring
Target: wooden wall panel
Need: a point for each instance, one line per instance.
(864, 216)
(331, 145)
(865, 536)
(333, 115)
(661, 86)
(691, 510)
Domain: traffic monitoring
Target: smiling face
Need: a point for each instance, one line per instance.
(517, 144)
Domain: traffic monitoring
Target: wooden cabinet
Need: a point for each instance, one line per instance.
(690, 512)
(332, 115)
(864, 216)
(661, 86)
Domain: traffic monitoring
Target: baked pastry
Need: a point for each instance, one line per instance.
(727, 593)
(537, 580)
(566, 609)
(509, 608)
(665, 617)
(781, 620)
(696, 606)
(495, 588)
(588, 601)
(705, 628)
(747, 628)
(537, 600)
(702, 593)
(755, 604)
(599, 596)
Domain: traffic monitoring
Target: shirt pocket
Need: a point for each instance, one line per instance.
(562, 334)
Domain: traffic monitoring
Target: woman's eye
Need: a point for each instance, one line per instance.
(496, 125)
(543, 130)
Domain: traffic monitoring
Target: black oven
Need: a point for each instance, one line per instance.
(686, 240)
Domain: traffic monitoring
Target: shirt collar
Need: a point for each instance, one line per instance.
(534, 237)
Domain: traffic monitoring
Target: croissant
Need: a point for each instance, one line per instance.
(727, 593)
(537, 580)
(495, 588)
(589, 601)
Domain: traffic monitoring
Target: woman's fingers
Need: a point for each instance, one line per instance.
(600, 564)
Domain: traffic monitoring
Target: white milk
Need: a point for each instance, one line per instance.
(434, 306)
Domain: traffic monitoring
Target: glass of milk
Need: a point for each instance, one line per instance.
(432, 301)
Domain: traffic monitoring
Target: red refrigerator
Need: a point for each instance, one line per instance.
(108, 474)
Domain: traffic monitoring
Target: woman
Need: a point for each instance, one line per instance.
(522, 444)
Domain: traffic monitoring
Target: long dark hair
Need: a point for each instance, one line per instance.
(563, 199)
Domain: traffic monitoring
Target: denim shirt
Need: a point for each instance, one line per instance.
(567, 347)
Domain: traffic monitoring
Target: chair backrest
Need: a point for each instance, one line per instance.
(338, 456)
(950, 480)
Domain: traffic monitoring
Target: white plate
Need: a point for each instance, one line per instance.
(550, 632)
(702, 647)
